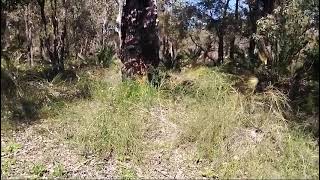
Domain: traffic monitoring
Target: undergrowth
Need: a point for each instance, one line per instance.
(245, 136)
(237, 135)
(112, 121)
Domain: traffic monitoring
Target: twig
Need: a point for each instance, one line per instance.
(161, 173)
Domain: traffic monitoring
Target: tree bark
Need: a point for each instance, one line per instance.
(3, 25)
(28, 30)
(139, 41)
(253, 12)
(58, 42)
(221, 32)
(268, 6)
(220, 47)
(56, 49)
(4, 16)
(233, 38)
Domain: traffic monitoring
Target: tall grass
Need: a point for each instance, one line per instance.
(237, 135)
(111, 121)
(244, 136)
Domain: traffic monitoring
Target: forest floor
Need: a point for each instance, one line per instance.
(195, 125)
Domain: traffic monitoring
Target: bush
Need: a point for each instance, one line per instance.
(290, 32)
(105, 56)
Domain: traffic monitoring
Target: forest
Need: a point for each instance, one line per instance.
(160, 89)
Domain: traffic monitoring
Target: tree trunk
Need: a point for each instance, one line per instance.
(64, 36)
(232, 47)
(3, 30)
(29, 35)
(268, 6)
(220, 48)
(44, 40)
(3, 25)
(221, 33)
(139, 41)
(103, 33)
(253, 8)
(233, 38)
(57, 49)
(58, 41)
(45, 47)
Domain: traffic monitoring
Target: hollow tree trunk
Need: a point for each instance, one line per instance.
(139, 41)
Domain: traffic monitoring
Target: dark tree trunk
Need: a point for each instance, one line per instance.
(29, 35)
(64, 37)
(56, 49)
(139, 41)
(221, 32)
(3, 29)
(233, 38)
(3, 25)
(45, 47)
(253, 7)
(232, 47)
(252, 45)
(58, 41)
(220, 48)
(268, 6)
(44, 35)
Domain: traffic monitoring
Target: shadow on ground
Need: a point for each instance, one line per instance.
(24, 97)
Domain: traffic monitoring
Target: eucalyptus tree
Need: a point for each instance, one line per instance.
(139, 41)
(214, 14)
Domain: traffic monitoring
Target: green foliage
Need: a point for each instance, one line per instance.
(115, 124)
(127, 173)
(243, 136)
(6, 165)
(58, 171)
(7, 157)
(38, 169)
(312, 55)
(105, 56)
(84, 86)
(289, 31)
(208, 173)
(12, 147)
(237, 136)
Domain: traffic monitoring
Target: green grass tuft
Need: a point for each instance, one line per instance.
(236, 135)
(38, 170)
(112, 121)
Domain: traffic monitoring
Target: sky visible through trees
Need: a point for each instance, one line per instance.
(231, 3)
(178, 89)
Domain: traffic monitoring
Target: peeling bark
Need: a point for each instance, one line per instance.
(139, 41)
